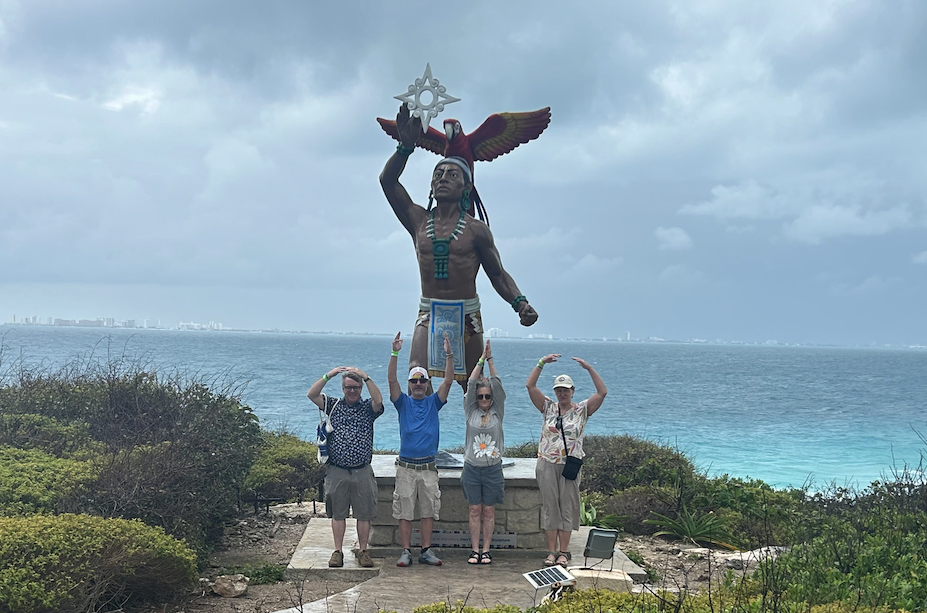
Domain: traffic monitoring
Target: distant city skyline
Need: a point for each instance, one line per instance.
(491, 333)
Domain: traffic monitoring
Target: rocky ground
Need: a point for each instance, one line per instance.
(273, 537)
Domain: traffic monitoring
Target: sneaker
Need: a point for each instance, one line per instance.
(428, 557)
(405, 559)
(337, 559)
(363, 558)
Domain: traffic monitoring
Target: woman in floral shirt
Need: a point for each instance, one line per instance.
(561, 435)
(481, 480)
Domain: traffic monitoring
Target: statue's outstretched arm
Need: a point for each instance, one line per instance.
(501, 280)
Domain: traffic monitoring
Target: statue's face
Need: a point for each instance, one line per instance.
(448, 182)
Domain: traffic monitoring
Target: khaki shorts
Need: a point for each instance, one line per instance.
(559, 497)
(350, 489)
(413, 486)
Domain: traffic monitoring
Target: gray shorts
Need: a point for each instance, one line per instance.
(347, 489)
(559, 497)
(483, 484)
(416, 487)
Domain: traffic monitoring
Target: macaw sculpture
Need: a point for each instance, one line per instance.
(498, 135)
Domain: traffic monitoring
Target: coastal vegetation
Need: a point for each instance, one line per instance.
(117, 479)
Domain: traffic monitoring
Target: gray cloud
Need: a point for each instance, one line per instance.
(167, 157)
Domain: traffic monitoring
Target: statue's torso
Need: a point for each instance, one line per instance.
(463, 262)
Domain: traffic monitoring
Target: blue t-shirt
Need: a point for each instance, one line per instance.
(419, 428)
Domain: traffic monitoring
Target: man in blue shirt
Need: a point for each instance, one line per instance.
(416, 471)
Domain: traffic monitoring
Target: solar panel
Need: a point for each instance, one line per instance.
(548, 576)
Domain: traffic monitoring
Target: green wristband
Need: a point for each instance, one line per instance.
(515, 302)
(403, 150)
(326, 378)
(481, 361)
(395, 354)
(541, 364)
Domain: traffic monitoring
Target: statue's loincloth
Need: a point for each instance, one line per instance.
(460, 319)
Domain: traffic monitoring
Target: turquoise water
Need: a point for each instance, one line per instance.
(781, 414)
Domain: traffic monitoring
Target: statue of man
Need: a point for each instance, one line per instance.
(450, 246)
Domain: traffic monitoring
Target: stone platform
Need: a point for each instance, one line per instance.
(401, 589)
(518, 521)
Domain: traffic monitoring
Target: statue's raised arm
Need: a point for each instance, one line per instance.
(408, 130)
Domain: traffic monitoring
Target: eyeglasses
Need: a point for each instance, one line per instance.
(418, 380)
(484, 396)
(351, 388)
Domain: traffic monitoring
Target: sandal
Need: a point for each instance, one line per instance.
(474, 558)
(565, 556)
(551, 559)
(485, 558)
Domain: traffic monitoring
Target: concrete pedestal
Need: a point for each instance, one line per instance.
(521, 513)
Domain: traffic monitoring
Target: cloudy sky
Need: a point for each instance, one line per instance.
(713, 169)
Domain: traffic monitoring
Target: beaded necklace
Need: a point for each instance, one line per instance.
(441, 247)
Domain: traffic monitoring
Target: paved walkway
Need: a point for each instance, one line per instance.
(391, 588)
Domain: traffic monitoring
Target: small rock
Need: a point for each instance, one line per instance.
(230, 586)
(735, 563)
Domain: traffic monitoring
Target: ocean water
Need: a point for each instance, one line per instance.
(787, 415)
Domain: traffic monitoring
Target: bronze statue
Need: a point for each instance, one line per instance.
(451, 246)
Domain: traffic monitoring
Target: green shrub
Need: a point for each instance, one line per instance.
(619, 462)
(755, 514)
(75, 563)
(528, 449)
(285, 467)
(30, 431)
(637, 504)
(166, 449)
(874, 561)
(34, 482)
(696, 528)
(260, 573)
(864, 548)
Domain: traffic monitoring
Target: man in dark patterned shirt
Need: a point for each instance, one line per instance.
(349, 480)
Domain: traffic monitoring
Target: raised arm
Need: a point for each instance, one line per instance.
(487, 358)
(501, 280)
(376, 397)
(470, 403)
(536, 395)
(445, 388)
(595, 401)
(315, 392)
(394, 390)
(397, 196)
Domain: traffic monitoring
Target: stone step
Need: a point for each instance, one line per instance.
(315, 547)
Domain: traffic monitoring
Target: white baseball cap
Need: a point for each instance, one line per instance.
(418, 372)
(563, 381)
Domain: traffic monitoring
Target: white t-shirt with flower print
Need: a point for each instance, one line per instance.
(484, 442)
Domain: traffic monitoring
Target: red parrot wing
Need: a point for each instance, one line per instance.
(502, 132)
(432, 140)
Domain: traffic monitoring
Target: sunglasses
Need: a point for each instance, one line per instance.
(484, 396)
(350, 388)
